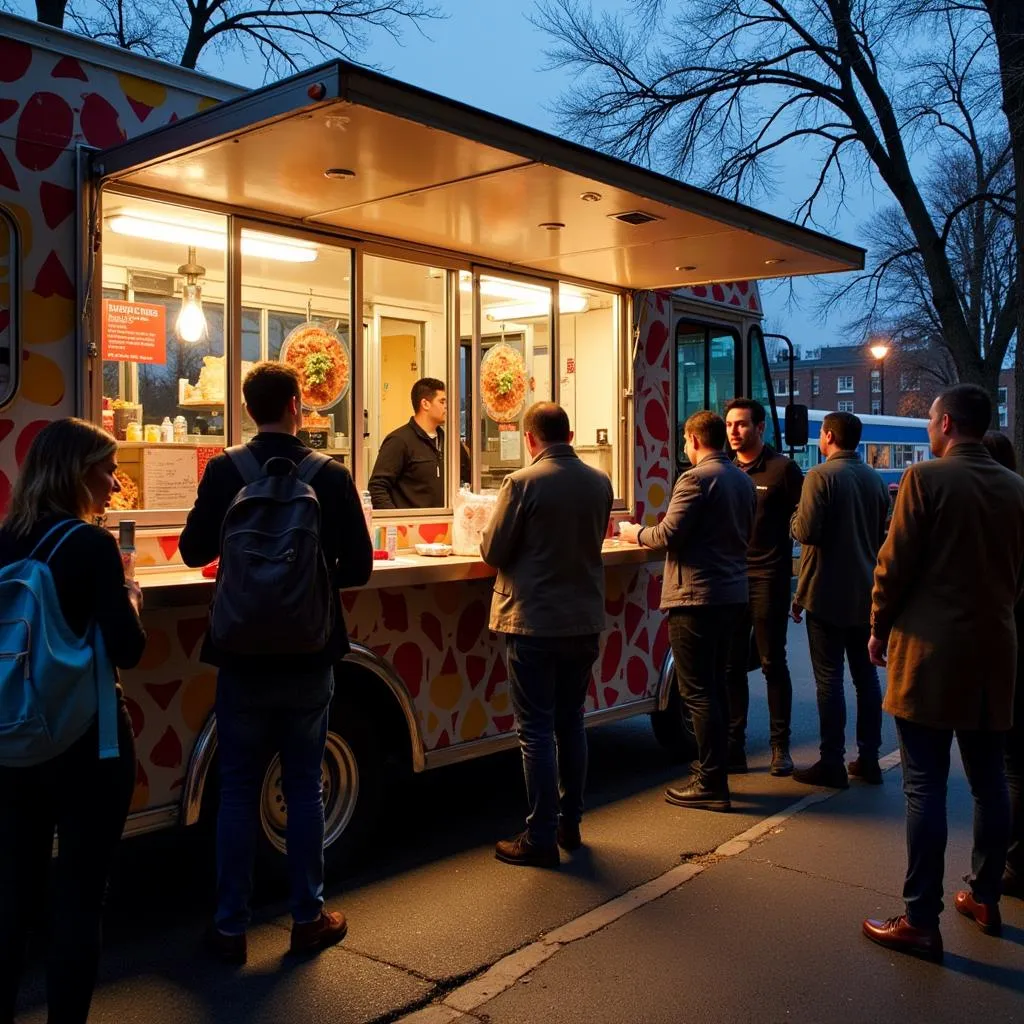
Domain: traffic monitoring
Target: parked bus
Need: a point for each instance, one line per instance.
(160, 231)
(889, 443)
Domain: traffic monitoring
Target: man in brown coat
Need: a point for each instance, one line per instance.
(947, 579)
(545, 540)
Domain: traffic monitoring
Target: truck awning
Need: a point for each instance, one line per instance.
(348, 149)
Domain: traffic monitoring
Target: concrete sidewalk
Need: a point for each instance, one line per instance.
(772, 934)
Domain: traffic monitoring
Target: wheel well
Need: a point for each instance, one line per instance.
(364, 689)
(361, 679)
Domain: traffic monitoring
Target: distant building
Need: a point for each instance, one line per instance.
(847, 378)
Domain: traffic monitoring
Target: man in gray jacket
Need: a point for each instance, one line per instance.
(705, 533)
(545, 541)
(840, 525)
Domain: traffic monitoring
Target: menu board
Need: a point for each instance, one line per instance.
(134, 332)
(169, 477)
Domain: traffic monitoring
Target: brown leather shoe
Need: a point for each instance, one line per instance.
(899, 934)
(519, 850)
(985, 915)
(327, 930)
(228, 949)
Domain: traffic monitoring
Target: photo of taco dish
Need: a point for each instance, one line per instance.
(503, 383)
(322, 362)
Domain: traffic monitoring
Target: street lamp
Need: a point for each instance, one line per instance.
(880, 350)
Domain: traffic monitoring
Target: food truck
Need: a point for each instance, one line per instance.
(161, 231)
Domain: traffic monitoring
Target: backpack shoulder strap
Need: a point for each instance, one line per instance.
(311, 465)
(245, 462)
(68, 526)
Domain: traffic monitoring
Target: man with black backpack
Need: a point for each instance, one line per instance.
(288, 526)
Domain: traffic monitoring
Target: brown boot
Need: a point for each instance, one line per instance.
(519, 850)
(327, 930)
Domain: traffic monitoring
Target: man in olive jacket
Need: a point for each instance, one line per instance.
(705, 533)
(545, 540)
(948, 577)
(840, 525)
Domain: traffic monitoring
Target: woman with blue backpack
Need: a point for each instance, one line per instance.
(68, 619)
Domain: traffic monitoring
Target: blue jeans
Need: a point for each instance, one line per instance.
(548, 682)
(828, 645)
(925, 755)
(256, 718)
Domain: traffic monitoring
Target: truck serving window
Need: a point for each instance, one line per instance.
(10, 305)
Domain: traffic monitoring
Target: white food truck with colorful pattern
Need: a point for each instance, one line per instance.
(160, 231)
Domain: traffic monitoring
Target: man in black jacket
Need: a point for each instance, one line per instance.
(778, 481)
(409, 471)
(276, 702)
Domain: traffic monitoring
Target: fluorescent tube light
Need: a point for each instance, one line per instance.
(254, 243)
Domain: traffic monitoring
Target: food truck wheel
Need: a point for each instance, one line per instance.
(351, 778)
(673, 728)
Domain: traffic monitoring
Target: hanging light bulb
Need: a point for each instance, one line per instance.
(191, 323)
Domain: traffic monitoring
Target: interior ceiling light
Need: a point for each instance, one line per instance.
(254, 243)
(521, 297)
(527, 310)
(339, 174)
(191, 323)
(590, 197)
(687, 267)
(772, 262)
(551, 225)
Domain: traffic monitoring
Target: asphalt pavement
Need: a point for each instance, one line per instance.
(766, 932)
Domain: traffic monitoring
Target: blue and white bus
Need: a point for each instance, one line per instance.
(889, 443)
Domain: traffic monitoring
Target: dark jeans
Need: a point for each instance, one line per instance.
(1015, 782)
(548, 682)
(925, 755)
(763, 622)
(86, 800)
(828, 644)
(700, 638)
(255, 719)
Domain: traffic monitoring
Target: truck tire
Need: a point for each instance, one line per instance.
(352, 776)
(673, 728)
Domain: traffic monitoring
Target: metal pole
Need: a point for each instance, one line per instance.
(881, 378)
(792, 374)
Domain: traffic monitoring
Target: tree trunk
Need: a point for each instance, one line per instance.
(1008, 22)
(51, 12)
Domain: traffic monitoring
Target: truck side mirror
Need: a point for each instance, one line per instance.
(796, 426)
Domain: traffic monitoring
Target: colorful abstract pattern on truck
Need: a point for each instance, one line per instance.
(436, 638)
(50, 103)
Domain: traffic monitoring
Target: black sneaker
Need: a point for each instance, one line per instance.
(696, 794)
(821, 773)
(866, 770)
(569, 837)
(782, 763)
(519, 850)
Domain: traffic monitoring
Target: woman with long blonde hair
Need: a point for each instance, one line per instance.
(68, 475)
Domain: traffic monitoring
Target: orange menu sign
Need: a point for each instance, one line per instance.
(134, 332)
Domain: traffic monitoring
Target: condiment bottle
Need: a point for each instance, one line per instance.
(167, 430)
(133, 431)
(180, 430)
(126, 542)
(367, 511)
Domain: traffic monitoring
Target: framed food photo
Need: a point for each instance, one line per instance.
(323, 361)
(504, 383)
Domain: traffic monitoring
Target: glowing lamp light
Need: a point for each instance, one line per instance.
(525, 310)
(191, 323)
(879, 350)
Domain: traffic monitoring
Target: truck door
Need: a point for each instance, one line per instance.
(713, 365)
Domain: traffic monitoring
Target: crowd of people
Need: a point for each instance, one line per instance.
(934, 598)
